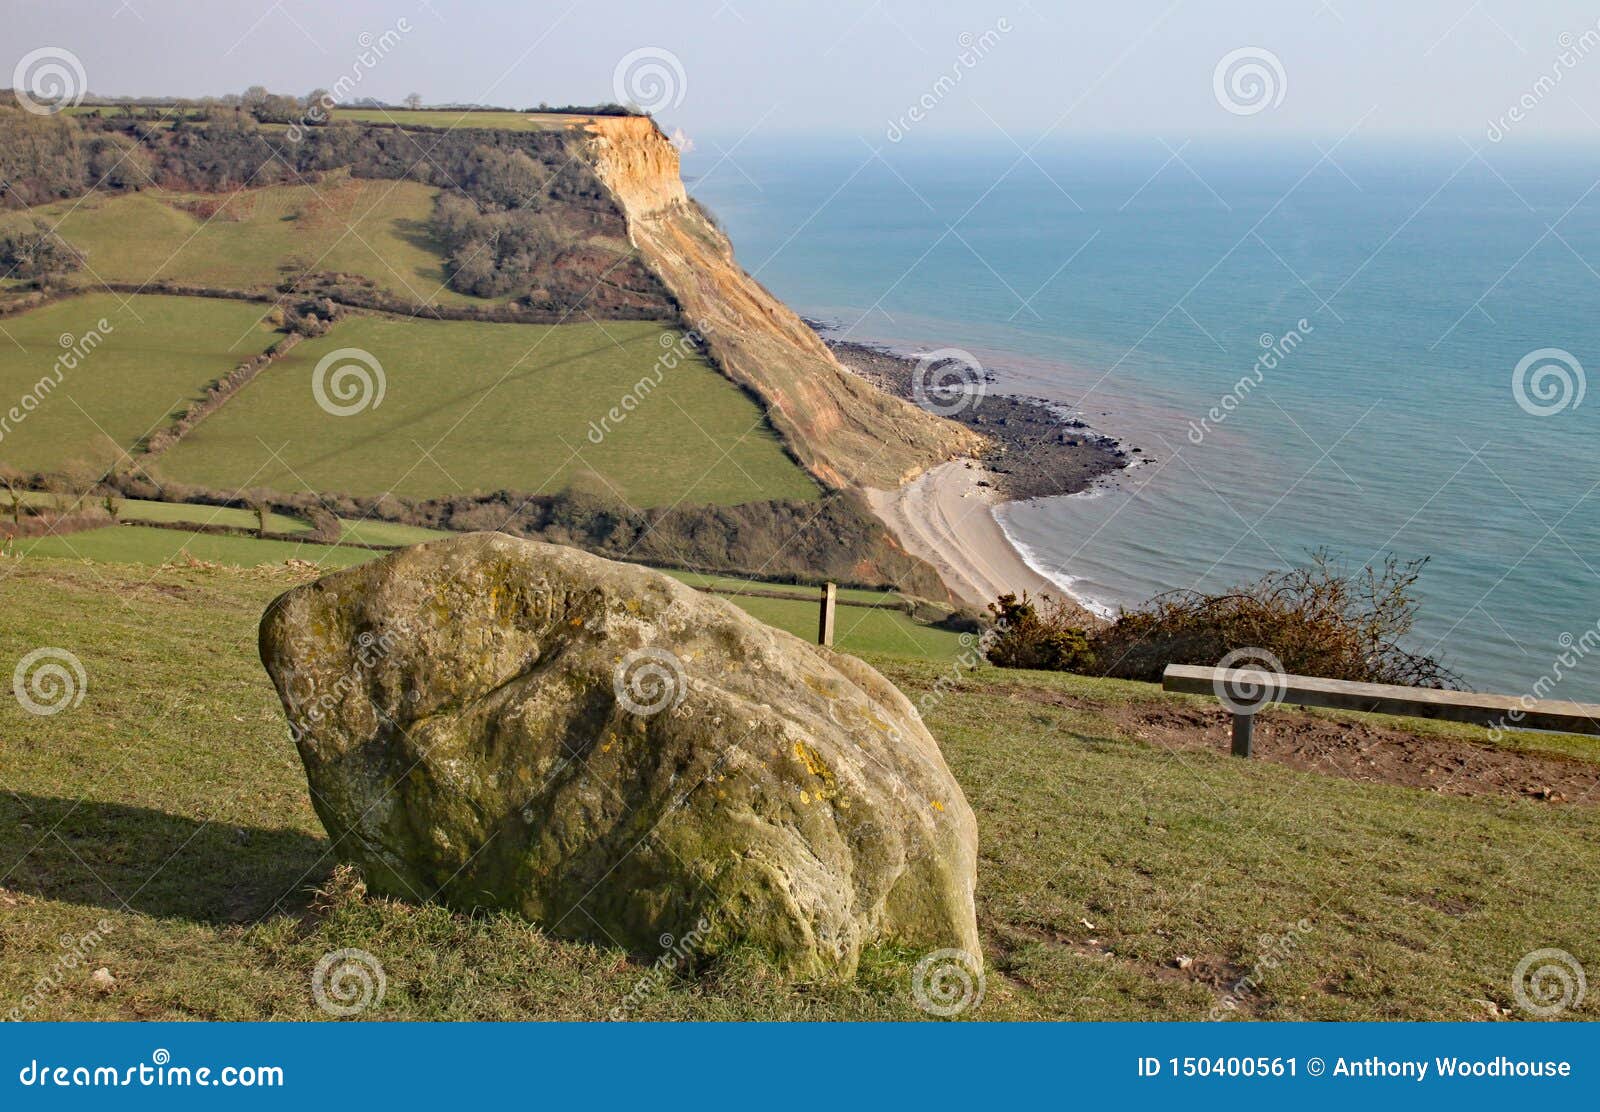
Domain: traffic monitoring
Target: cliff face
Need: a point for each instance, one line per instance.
(845, 431)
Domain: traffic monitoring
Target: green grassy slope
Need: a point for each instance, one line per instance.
(158, 356)
(378, 229)
(498, 406)
(171, 804)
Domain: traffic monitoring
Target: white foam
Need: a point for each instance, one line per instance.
(1068, 583)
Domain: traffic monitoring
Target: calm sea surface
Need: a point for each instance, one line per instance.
(1138, 283)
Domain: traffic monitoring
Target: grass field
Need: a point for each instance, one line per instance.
(386, 532)
(190, 513)
(378, 229)
(134, 509)
(159, 354)
(470, 406)
(138, 544)
(1117, 880)
(499, 121)
(138, 509)
(857, 630)
(799, 590)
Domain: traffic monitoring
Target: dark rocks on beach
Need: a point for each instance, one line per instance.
(1038, 451)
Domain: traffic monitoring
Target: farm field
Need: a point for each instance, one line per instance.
(139, 509)
(857, 630)
(387, 532)
(172, 804)
(139, 544)
(192, 513)
(253, 238)
(469, 406)
(159, 354)
(469, 118)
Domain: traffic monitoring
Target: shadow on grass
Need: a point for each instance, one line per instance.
(123, 858)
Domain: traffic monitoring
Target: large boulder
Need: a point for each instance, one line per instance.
(496, 723)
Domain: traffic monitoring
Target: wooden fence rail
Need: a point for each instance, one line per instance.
(1262, 688)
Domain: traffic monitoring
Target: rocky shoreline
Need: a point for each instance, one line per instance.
(1038, 452)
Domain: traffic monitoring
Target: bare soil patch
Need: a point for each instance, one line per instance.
(1359, 750)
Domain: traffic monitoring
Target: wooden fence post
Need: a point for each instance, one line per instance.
(1244, 729)
(825, 617)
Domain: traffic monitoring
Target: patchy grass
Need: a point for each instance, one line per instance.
(473, 406)
(158, 355)
(1117, 880)
(256, 237)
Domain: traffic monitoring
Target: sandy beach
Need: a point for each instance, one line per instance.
(946, 518)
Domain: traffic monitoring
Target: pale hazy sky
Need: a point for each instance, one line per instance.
(856, 66)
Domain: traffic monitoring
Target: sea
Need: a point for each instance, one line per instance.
(1369, 347)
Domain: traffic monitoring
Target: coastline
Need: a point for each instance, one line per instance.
(947, 515)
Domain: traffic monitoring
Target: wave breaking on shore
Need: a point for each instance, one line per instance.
(950, 515)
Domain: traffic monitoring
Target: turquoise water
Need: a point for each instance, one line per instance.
(1138, 288)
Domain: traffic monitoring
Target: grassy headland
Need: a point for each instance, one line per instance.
(1120, 878)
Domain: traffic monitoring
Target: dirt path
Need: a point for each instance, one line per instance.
(1357, 750)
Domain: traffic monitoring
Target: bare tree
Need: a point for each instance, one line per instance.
(413, 101)
(13, 482)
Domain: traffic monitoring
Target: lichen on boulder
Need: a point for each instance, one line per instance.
(495, 723)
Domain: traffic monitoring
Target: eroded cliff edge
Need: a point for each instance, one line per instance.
(843, 430)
